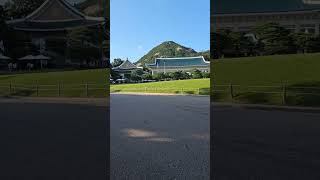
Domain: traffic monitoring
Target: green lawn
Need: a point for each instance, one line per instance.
(299, 74)
(80, 83)
(193, 86)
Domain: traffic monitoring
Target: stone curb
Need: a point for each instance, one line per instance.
(80, 101)
(269, 107)
(157, 94)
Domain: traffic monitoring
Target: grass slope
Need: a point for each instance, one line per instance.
(193, 86)
(300, 73)
(72, 83)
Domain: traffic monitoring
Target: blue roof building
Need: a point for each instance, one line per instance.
(241, 16)
(166, 65)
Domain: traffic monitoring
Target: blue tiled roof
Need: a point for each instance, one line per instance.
(179, 62)
(259, 6)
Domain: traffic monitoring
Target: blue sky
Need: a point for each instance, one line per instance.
(139, 25)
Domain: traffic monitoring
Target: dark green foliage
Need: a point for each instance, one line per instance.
(178, 75)
(16, 44)
(159, 76)
(206, 75)
(22, 8)
(307, 43)
(2, 26)
(276, 39)
(264, 39)
(114, 75)
(95, 7)
(147, 76)
(196, 74)
(136, 75)
(231, 44)
(84, 43)
(205, 54)
(117, 62)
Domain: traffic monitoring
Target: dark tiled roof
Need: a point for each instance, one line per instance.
(259, 6)
(179, 62)
(126, 65)
(39, 21)
(52, 26)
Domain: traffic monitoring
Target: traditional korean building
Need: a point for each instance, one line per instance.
(165, 65)
(53, 19)
(241, 16)
(125, 68)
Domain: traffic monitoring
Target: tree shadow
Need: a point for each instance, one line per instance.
(204, 91)
(24, 92)
(115, 91)
(216, 97)
(254, 98)
(189, 92)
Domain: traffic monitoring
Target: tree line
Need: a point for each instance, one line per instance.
(144, 74)
(263, 39)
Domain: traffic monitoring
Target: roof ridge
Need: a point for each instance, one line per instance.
(50, 2)
(189, 57)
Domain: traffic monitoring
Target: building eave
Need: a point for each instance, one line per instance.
(155, 63)
(265, 13)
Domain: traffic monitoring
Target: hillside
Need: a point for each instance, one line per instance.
(170, 49)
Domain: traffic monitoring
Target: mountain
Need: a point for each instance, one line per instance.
(170, 49)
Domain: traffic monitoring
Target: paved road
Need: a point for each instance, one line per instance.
(159, 137)
(257, 144)
(154, 137)
(52, 140)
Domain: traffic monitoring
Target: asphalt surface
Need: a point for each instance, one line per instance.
(265, 145)
(47, 141)
(159, 137)
(155, 137)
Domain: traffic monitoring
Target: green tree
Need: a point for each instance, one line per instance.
(219, 42)
(22, 8)
(186, 75)
(159, 76)
(307, 42)
(117, 62)
(206, 75)
(136, 75)
(115, 75)
(83, 44)
(196, 74)
(177, 75)
(275, 38)
(147, 76)
(2, 25)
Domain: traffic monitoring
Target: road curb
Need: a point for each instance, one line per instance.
(269, 107)
(157, 94)
(80, 101)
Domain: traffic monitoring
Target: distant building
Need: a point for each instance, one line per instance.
(166, 65)
(242, 16)
(125, 68)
